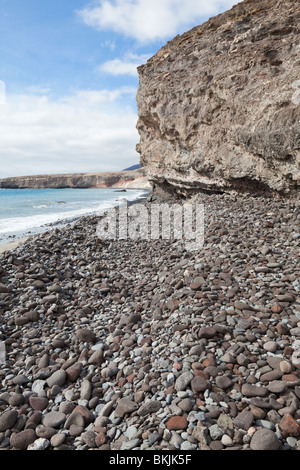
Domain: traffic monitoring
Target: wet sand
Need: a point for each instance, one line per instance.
(11, 245)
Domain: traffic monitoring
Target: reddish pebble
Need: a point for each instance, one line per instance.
(276, 308)
(289, 426)
(130, 378)
(177, 423)
(209, 361)
(195, 286)
(100, 439)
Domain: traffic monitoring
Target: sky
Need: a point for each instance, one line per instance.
(68, 78)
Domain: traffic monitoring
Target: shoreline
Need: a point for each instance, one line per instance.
(12, 241)
(10, 246)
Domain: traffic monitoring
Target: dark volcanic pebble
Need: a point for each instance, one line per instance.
(22, 439)
(265, 439)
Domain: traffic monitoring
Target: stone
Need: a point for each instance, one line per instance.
(85, 413)
(58, 439)
(199, 384)
(73, 372)
(285, 367)
(226, 440)
(96, 358)
(196, 286)
(45, 432)
(20, 379)
(183, 381)
(276, 386)
(22, 439)
(289, 426)
(243, 420)
(215, 432)
(224, 382)
(151, 406)
(2, 352)
(16, 399)
(129, 445)
(85, 335)
(270, 346)
(207, 332)
(265, 439)
(76, 419)
(8, 419)
(100, 439)
(53, 419)
(38, 403)
(38, 386)
(39, 444)
(86, 390)
(200, 433)
(124, 406)
(186, 404)
(38, 284)
(127, 320)
(57, 378)
(75, 430)
(276, 308)
(106, 410)
(225, 422)
(176, 423)
(250, 390)
(131, 431)
(4, 289)
(89, 438)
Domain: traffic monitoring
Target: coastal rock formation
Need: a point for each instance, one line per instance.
(114, 179)
(219, 106)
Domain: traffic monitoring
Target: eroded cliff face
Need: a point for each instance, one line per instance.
(219, 106)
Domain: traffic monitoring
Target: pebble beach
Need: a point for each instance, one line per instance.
(143, 345)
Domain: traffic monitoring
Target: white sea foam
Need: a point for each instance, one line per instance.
(22, 225)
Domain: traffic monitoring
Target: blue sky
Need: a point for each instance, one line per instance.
(68, 78)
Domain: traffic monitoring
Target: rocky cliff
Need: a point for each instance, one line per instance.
(219, 106)
(115, 179)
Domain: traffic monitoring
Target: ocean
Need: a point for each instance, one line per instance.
(25, 212)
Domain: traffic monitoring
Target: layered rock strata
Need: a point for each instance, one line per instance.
(219, 106)
(114, 179)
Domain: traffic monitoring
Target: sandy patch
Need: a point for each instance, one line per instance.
(11, 245)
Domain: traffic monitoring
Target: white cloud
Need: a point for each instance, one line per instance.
(108, 44)
(126, 66)
(148, 21)
(85, 132)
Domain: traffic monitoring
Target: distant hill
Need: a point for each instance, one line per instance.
(133, 167)
(113, 179)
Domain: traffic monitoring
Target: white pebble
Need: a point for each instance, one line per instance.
(39, 444)
(226, 440)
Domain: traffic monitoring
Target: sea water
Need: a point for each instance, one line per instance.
(25, 212)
